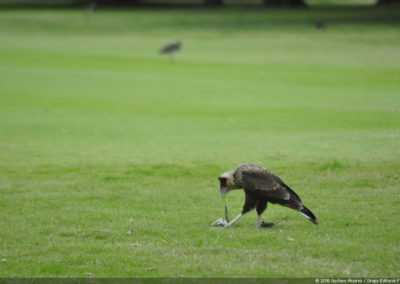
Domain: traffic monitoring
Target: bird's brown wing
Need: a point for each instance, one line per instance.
(262, 183)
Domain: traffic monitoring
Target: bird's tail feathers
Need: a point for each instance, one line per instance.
(309, 215)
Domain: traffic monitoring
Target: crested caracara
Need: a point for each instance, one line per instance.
(260, 187)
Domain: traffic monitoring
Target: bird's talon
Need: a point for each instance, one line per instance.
(267, 224)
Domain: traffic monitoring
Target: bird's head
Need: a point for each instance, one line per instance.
(227, 182)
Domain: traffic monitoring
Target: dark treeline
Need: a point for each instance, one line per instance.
(293, 3)
(105, 3)
(388, 2)
(186, 3)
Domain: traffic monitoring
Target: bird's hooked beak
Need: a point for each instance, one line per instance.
(223, 185)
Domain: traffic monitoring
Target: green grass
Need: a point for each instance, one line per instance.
(100, 135)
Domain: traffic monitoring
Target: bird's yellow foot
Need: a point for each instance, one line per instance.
(219, 223)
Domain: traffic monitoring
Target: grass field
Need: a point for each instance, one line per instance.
(109, 154)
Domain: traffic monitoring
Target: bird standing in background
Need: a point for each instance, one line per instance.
(320, 24)
(261, 186)
(92, 5)
(171, 49)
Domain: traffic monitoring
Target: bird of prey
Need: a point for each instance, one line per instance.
(260, 187)
(171, 49)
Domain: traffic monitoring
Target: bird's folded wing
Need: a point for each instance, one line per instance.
(265, 183)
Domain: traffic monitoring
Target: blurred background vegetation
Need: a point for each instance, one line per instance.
(270, 3)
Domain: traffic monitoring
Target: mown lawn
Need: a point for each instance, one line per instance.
(109, 153)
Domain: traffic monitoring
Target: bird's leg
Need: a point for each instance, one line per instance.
(249, 204)
(258, 226)
(260, 208)
(234, 220)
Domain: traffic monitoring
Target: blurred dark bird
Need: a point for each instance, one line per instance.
(319, 24)
(171, 49)
(260, 187)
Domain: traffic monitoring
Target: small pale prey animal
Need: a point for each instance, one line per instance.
(260, 187)
(171, 49)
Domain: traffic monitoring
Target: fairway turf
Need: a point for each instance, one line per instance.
(109, 154)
